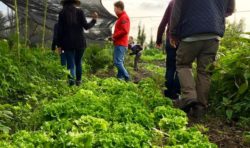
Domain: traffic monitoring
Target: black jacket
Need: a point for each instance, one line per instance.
(71, 37)
(55, 40)
(135, 49)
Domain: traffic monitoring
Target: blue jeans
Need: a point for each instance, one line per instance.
(63, 59)
(119, 55)
(172, 81)
(74, 63)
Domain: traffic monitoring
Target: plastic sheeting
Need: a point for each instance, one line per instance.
(101, 31)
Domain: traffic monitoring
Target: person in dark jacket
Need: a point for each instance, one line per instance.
(171, 79)
(136, 50)
(198, 25)
(55, 45)
(120, 38)
(71, 38)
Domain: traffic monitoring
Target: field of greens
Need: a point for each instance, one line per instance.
(39, 109)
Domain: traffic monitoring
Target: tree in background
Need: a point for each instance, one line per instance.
(151, 43)
(31, 33)
(141, 38)
(2, 22)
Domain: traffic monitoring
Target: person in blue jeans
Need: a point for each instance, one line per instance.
(74, 64)
(172, 82)
(119, 55)
(71, 39)
(120, 39)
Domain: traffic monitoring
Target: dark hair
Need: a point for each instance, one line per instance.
(69, 2)
(119, 4)
(70, 14)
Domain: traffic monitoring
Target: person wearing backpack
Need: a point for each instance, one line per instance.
(197, 26)
(71, 37)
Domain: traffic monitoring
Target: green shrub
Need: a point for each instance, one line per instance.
(98, 57)
(230, 90)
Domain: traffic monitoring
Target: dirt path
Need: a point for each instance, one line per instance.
(224, 134)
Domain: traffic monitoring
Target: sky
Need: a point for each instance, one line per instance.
(149, 13)
(139, 10)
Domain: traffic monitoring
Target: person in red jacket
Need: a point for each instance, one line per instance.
(120, 39)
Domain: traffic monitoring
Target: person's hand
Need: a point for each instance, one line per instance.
(158, 46)
(59, 50)
(174, 42)
(110, 39)
(95, 15)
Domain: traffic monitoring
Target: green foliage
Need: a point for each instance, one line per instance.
(190, 138)
(232, 36)
(38, 109)
(103, 113)
(30, 79)
(25, 84)
(230, 82)
(5, 116)
(246, 138)
(151, 55)
(162, 112)
(99, 58)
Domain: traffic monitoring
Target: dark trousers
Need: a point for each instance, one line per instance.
(74, 63)
(136, 61)
(172, 82)
(63, 59)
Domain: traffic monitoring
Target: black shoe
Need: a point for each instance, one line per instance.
(78, 83)
(172, 96)
(71, 82)
(198, 111)
(127, 79)
(185, 104)
(167, 94)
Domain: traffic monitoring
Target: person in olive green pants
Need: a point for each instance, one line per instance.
(197, 25)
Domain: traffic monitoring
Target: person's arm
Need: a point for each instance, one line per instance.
(174, 22)
(125, 25)
(164, 23)
(53, 46)
(84, 22)
(230, 7)
(60, 31)
(54, 42)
